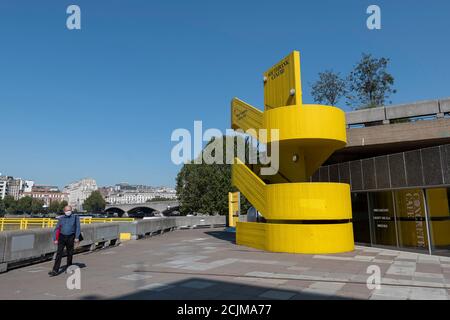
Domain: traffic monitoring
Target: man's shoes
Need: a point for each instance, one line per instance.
(53, 273)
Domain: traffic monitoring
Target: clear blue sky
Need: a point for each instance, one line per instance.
(103, 101)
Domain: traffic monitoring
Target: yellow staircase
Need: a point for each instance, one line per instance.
(302, 217)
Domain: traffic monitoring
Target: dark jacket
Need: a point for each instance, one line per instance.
(69, 225)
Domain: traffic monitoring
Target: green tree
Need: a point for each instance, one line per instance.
(329, 88)
(10, 205)
(37, 206)
(2, 207)
(369, 83)
(62, 204)
(95, 202)
(54, 207)
(24, 205)
(204, 187)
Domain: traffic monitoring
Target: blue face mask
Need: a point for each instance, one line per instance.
(68, 213)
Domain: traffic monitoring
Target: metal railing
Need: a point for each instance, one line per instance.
(29, 223)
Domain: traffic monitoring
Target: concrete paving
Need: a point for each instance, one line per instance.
(207, 264)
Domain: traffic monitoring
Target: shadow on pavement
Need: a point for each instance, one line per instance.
(78, 264)
(207, 289)
(223, 235)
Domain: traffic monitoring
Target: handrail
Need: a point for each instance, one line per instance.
(26, 223)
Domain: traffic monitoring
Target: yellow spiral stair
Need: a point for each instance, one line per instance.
(302, 217)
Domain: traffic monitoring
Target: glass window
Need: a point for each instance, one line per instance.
(439, 217)
(360, 211)
(383, 218)
(411, 223)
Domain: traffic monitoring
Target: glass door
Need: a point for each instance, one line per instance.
(382, 212)
(411, 219)
(438, 203)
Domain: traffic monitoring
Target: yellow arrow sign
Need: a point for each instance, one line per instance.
(282, 83)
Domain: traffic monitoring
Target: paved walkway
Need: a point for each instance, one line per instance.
(206, 264)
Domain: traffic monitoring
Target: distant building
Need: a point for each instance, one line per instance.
(124, 193)
(79, 191)
(3, 186)
(28, 186)
(106, 191)
(48, 194)
(14, 187)
(129, 197)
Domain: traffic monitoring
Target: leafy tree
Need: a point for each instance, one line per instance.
(329, 88)
(95, 202)
(37, 206)
(2, 207)
(24, 205)
(62, 204)
(54, 207)
(204, 187)
(369, 83)
(10, 205)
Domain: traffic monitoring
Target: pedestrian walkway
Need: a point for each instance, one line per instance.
(206, 264)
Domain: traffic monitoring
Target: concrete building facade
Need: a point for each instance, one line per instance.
(48, 194)
(10, 186)
(397, 163)
(124, 193)
(14, 187)
(28, 186)
(2, 189)
(79, 191)
(137, 197)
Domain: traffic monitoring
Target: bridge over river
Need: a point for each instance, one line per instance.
(163, 207)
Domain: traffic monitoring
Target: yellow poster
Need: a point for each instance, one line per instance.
(439, 213)
(234, 208)
(411, 218)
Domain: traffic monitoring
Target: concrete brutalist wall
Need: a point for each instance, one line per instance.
(421, 108)
(196, 221)
(149, 226)
(144, 227)
(129, 227)
(437, 129)
(28, 244)
(444, 105)
(3, 265)
(88, 231)
(24, 245)
(106, 231)
(401, 111)
(366, 115)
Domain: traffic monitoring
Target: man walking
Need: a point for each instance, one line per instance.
(69, 234)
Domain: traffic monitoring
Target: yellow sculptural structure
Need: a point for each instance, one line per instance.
(301, 216)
